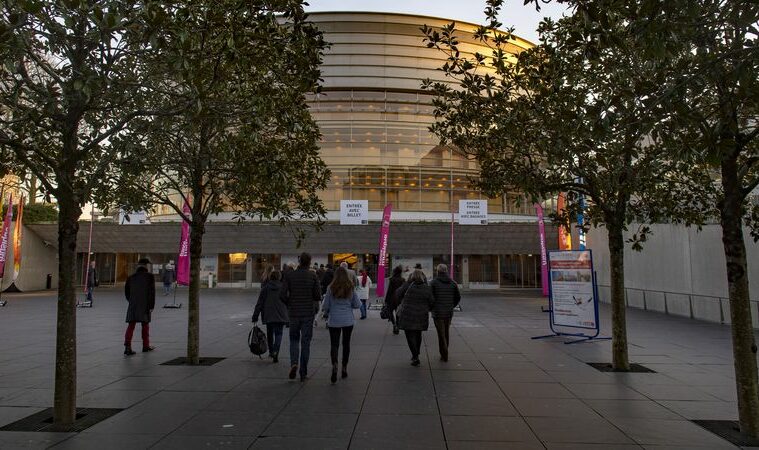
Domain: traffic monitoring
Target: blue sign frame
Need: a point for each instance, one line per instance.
(552, 324)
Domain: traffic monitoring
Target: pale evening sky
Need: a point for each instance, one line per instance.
(514, 13)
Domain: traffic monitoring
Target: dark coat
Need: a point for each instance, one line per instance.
(447, 296)
(414, 311)
(270, 305)
(140, 293)
(326, 280)
(92, 278)
(301, 292)
(168, 276)
(391, 296)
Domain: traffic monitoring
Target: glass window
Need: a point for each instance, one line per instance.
(483, 268)
(232, 266)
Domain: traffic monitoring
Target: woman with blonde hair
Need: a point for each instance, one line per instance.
(339, 303)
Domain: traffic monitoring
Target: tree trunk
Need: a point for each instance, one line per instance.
(193, 311)
(744, 347)
(620, 359)
(64, 406)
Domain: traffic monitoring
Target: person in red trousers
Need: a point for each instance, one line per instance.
(140, 293)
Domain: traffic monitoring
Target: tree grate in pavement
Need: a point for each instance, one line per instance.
(728, 430)
(43, 420)
(634, 368)
(183, 361)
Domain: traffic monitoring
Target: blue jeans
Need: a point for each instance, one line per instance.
(89, 293)
(167, 288)
(301, 331)
(363, 309)
(274, 336)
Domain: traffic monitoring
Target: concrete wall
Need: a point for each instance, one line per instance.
(38, 259)
(680, 271)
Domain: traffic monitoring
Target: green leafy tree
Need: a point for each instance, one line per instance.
(69, 78)
(708, 112)
(712, 124)
(553, 119)
(245, 141)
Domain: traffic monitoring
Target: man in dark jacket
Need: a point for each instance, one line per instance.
(327, 278)
(391, 296)
(447, 296)
(140, 293)
(92, 280)
(301, 293)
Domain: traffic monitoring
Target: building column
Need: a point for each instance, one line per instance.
(465, 271)
(248, 272)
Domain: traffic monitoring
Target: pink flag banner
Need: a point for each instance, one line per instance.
(183, 261)
(384, 236)
(543, 257)
(6, 235)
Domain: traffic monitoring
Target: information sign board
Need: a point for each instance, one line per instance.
(573, 299)
(473, 212)
(354, 212)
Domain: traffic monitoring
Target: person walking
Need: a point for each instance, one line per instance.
(273, 312)
(391, 296)
(168, 277)
(301, 293)
(339, 302)
(139, 291)
(327, 278)
(414, 312)
(446, 296)
(364, 287)
(351, 274)
(92, 280)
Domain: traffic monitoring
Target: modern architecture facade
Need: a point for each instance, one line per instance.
(375, 121)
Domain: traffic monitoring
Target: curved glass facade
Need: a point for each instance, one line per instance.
(375, 119)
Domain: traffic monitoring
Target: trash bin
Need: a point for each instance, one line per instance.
(49, 281)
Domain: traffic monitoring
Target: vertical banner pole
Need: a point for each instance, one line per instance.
(89, 251)
(543, 257)
(384, 236)
(183, 258)
(453, 262)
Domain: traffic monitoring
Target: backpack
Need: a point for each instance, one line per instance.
(257, 341)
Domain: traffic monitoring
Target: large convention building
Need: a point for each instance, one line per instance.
(374, 118)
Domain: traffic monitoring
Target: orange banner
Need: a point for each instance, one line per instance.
(565, 237)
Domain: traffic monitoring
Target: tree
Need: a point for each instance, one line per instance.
(246, 140)
(708, 111)
(712, 100)
(69, 78)
(558, 118)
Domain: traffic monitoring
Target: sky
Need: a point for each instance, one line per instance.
(514, 13)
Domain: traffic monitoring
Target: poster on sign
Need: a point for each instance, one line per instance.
(354, 212)
(573, 297)
(473, 212)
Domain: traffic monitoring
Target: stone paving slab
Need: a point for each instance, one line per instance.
(500, 389)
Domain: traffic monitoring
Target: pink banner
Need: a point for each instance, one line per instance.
(384, 236)
(6, 235)
(183, 261)
(543, 257)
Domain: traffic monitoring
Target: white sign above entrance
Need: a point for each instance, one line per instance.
(354, 212)
(473, 212)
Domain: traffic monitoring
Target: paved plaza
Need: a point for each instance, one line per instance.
(500, 389)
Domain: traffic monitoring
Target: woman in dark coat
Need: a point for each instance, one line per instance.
(273, 312)
(140, 293)
(414, 312)
(391, 296)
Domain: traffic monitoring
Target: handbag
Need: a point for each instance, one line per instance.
(384, 312)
